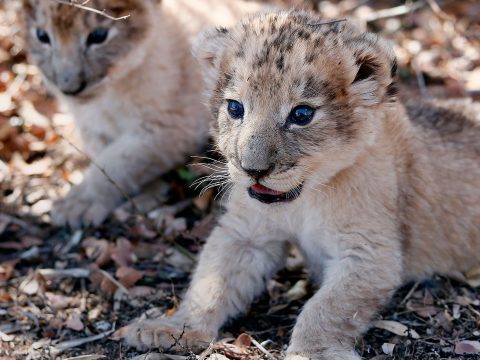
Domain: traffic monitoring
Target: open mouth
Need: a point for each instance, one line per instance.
(268, 196)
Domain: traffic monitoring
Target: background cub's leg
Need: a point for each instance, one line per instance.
(355, 288)
(131, 161)
(232, 270)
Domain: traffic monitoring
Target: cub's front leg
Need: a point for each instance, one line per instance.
(127, 164)
(236, 261)
(356, 286)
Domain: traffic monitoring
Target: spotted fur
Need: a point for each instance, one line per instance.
(387, 195)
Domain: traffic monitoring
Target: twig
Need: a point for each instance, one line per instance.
(409, 294)
(87, 357)
(113, 280)
(88, 8)
(327, 22)
(57, 273)
(262, 349)
(207, 352)
(78, 342)
(395, 11)
(439, 12)
(110, 180)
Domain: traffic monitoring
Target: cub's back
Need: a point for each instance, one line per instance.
(451, 124)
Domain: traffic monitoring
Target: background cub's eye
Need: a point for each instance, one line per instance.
(97, 36)
(42, 36)
(235, 109)
(301, 115)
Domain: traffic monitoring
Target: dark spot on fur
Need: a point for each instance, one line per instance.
(280, 62)
(393, 70)
(314, 87)
(392, 90)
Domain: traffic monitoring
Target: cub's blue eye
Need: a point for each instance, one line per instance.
(301, 115)
(97, 36)
(42, 36)
(235, 109)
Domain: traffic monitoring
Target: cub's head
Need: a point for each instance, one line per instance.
(75, 48)
(296, 98)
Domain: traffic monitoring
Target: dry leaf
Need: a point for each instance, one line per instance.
(74, 322)
(388, 348)
(396, 328)
(59, 301)
(122, 254)
(467, 347)
(119, 334)
(243, 341)
(98, 250)
(128, 276)
(6, 269)
(298, 291)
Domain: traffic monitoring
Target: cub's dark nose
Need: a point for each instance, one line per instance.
(258, 173)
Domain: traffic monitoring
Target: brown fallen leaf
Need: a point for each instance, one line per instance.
(98, 250)
(243, 341)
(5, 297)
(6, 269)
(59, 301)
(122, 254)
(128, 276)
(74, 322)
(119, 334)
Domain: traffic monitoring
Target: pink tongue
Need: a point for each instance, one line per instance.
(260, 189)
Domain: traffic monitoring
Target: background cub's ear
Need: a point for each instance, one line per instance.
(208, 48)
(375, 70)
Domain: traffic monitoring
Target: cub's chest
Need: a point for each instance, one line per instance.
(311, 230)
(106, 118)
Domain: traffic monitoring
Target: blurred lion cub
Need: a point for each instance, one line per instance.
(131, 85)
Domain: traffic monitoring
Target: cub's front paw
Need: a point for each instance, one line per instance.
(83, 206)
(167, 336)
(296, 357)
(325, 354)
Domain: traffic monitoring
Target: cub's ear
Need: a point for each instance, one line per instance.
(208, 48)
(374, 72)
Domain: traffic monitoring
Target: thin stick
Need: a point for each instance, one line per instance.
(262, 349)
(395, 11)
(88, 8)
(327, 22)
(56, 349)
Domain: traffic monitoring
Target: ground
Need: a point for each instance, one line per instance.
(68, 294)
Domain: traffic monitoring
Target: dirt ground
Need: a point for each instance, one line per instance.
(67, 294)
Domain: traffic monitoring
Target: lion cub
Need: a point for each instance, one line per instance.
(321, 154)
(131, 84)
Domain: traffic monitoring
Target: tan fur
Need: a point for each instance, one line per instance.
(141, 111)
(390, 194)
